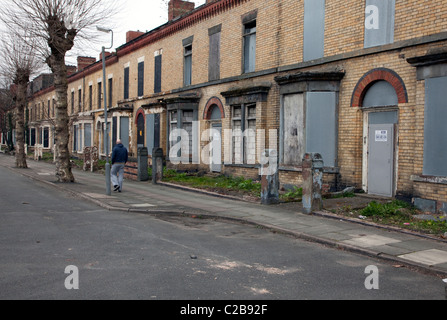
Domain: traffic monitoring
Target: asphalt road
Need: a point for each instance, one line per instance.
(119, 255)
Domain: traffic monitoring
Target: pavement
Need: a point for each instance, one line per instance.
(399, 247)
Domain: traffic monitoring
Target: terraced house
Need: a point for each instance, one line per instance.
(361, 82)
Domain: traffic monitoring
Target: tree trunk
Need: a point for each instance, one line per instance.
(20, 125)
(63, 166)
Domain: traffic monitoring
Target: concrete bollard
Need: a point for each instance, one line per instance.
(142, 155)
(87, 159)
(157, 165)
(269, 178)
(312, 182)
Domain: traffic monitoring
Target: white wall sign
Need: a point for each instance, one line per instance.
(381, 135)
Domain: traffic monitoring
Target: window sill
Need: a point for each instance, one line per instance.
(300, 169)
(429, 179)
(242, 165)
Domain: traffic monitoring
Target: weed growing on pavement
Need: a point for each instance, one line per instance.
(296, 194)
(402, 214)
(393, 208)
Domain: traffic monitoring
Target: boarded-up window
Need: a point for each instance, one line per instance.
(80, 135)
(110, 93)
(114, 131)
(90, 97)
(244, 134)
(107, 135)
(75, 137)
(79, 102)
(32, 137)
(153, 131)
(187, 66)
(186, 120)
(72, 102)
(124, 131)
(99, 98)
(46, 137)
(237, 134)
(309, 124)
(126, 83)
(141, 79)
(293, 129)
(321, 131)
(87, 135)
(314, 15)
(250, 46)
(380, 94)
(379, 22)
(173, 125)
(157, 73)
(435, 129)
(214, 53)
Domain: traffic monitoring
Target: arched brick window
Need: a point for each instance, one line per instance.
(140, 111)
(371, 77)
(214, 101)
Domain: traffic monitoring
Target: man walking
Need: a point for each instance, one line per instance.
(119, 159)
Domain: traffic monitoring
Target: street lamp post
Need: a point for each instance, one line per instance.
(106, 130)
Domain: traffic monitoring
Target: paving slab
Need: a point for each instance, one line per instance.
(370, 241)
(429, 257)
(392, 250)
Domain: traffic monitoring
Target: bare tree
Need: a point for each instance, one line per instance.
(55, 24)
(6, 105)
(18, 64)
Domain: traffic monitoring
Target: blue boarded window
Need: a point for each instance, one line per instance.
(435, 130)
(314, 15)
(141, 79)
(157, 73)
(126, 83)
(379, 22)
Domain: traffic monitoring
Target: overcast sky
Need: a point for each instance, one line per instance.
(142, 15)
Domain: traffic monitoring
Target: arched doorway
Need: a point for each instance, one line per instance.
(378, 93)
(140, 130)
(214, 112)
(381, 124)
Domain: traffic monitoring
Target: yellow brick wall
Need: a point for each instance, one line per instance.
(279, 44)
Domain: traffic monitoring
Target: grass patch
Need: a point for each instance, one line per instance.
(220, 183)
(395, 208)
(400, 213)
(79, 163)
(296, 194)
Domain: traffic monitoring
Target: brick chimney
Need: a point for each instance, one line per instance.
(177, 8)
(130, 35)
(107, 53)
(71, 70)
(84, 62)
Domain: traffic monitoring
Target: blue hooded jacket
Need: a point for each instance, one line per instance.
(119, 154)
